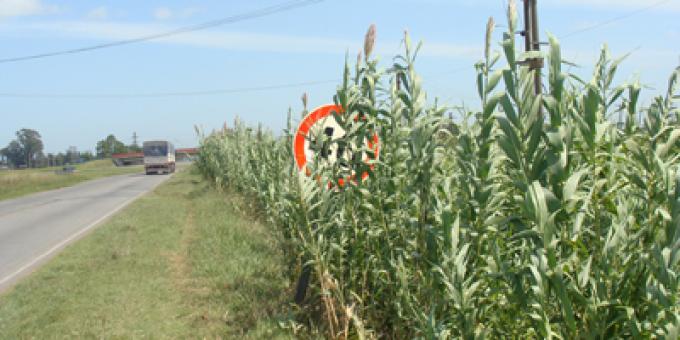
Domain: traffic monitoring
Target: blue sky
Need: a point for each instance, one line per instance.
(301, 45)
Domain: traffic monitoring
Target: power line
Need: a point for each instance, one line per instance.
(165, 94)
(615, 19)
(286, 6)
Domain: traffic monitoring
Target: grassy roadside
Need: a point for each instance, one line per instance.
(181, 262)
(16, 183)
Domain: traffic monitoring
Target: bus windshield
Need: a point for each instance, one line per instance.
(155, 150)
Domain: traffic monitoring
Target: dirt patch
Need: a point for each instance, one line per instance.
(180, 267)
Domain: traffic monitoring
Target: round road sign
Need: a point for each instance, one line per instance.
(321, 122)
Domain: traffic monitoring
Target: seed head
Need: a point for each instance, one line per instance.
(512, 15)
(304, 100)
(489, 32)
(407, 39)
(369, 41)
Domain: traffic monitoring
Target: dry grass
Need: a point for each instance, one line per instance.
(16, 183)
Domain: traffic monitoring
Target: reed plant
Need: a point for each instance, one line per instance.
(535, 216)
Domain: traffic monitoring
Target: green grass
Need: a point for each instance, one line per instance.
(181, 262)
(16, 183)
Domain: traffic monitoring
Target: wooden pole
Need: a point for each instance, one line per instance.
(533, 43)
(538, 62)
(528, 42)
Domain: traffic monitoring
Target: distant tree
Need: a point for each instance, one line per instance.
(31, 144)
(72, 155)
(25, 149)
(60, 159)
(110, 145)
(14, 154)
(87, 156)
(40, 161)
(50, 159)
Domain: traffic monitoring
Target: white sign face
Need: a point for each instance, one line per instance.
(330, 128)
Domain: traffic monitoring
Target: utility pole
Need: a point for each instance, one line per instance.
(532, 42)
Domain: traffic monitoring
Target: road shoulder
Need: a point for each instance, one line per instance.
(180, 262)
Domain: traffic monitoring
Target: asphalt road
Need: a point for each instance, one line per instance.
(36, 227)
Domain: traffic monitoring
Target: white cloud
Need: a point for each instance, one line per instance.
(98, 13)
(241, 41)
(12, 8)
(162, 13)
(189, 11)
(613, 4)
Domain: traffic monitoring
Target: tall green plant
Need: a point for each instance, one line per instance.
(532, 217)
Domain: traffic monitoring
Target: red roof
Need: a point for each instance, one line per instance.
(187, 150)
(128, 155)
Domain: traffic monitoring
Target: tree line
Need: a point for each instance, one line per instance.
(27, 151)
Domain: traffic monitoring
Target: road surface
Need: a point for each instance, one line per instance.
(34, 228)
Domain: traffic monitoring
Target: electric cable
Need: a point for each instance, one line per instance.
(615, 19)
(286, 6)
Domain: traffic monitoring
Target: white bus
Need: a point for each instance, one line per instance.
(159, 157)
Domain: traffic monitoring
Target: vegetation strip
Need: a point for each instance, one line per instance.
(534, 217)
(181, 262)
(17, 183)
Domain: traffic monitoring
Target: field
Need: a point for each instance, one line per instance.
(197, 267)
(535, 216)
(16, 183)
